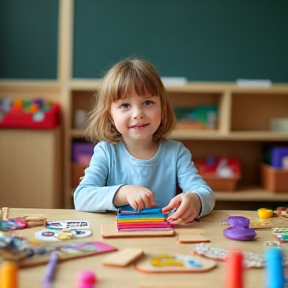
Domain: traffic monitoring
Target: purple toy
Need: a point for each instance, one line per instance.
(240, 221)
(239, 229)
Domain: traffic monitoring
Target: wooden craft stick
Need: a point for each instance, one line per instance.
(5, 213)
(111, 231)
(34, 220)
(123, 257)
(192, 238)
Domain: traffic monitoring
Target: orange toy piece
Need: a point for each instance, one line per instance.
(17, 105)
(33, 108)
(264, 213)
(8, 275)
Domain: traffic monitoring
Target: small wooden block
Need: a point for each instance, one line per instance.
(194, 236)
(123, 257)
(110, 231)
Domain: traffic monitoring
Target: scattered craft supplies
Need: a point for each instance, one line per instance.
(147, 219)
(28, 221)
(30, 253)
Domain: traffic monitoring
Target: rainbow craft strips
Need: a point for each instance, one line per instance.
(147, 219)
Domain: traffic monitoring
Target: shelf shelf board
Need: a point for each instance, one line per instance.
(33, 86)
(85, 84)
(217, 135)
(258, 135)
(213, 135)
(190, 87)
(251, 194)
(76, 133)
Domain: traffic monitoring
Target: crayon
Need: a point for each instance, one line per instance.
(234, 269)
(50, 268)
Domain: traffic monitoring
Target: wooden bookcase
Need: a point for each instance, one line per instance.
(242, 130)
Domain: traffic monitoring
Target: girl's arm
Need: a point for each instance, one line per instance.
(93, 194)
(191, 182)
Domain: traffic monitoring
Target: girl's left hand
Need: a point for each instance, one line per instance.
(188, 207)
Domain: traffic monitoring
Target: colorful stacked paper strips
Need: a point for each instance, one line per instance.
(129, 219)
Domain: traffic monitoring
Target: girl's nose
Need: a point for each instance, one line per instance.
(138, 113)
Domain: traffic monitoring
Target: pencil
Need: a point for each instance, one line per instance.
(50, 268)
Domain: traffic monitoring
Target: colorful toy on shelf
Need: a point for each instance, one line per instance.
(36, 113)
(198, 118)
(220, 173)
(274, 156)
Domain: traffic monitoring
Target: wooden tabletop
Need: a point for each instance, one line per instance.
(128, 276)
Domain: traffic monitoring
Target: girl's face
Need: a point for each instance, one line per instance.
(137, 117)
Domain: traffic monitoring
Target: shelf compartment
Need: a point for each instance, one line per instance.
(196, 102)
(81, 100)
(253, 111)
(274, 180)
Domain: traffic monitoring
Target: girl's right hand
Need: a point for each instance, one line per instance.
(138, 197)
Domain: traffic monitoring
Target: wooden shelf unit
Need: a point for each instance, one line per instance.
(240, 131)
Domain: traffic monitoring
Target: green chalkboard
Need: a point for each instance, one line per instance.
(203, 40)
(28, 39)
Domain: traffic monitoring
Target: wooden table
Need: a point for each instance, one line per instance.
(129, 276)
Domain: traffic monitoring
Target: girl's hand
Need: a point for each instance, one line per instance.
(188, 207)
(138, 197)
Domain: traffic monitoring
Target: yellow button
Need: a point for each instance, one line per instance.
(264, 213)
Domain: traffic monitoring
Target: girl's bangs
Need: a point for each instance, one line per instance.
(133, 83)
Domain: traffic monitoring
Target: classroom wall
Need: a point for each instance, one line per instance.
(204, 40)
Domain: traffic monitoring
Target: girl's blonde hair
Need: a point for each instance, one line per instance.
(124, 78)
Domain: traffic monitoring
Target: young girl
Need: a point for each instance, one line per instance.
(134, 163)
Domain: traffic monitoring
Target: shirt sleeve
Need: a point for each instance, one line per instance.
(92, 194)
(190, 181)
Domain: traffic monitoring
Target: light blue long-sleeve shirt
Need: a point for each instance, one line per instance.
(112, 166)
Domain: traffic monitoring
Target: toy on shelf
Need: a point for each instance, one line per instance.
(220, 173)
(197, 118)
(36, 113)
(274, 170)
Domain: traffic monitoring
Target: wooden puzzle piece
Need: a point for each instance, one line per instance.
(123, 257)
(110, 231)
(194, 236)
(262, 224)
(174, 263)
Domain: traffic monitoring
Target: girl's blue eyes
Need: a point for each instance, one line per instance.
(126, 105)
